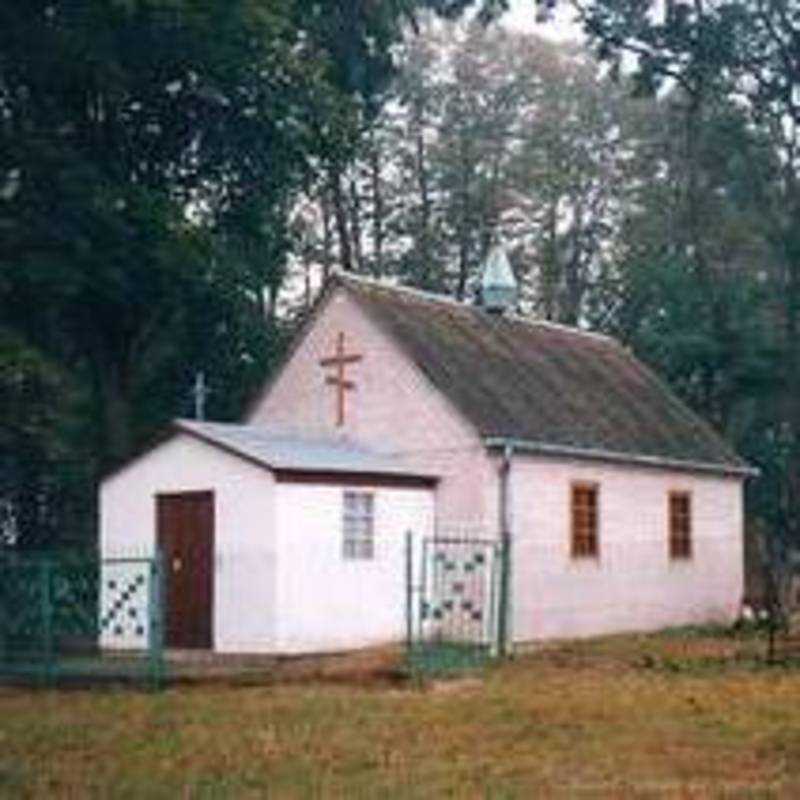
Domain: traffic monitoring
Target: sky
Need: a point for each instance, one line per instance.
(522, 17)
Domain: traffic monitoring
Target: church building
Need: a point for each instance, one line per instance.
(397, 411)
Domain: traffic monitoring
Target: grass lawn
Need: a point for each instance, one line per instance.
(674, 715)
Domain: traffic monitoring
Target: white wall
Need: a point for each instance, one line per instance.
(326, 602)
(281, 584)
(633, 585)
(244, 562)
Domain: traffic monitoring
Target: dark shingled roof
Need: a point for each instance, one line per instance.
(560, 388)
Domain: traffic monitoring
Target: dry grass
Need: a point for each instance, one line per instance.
(668, 716)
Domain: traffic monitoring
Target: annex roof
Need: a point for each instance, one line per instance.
(284, 452)
(557, 388)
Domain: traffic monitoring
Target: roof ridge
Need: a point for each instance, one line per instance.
(546, 323)
(380, 283)
(434, 297)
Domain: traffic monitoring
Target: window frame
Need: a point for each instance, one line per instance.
(680, 527)
(584, 534)
(358, 525)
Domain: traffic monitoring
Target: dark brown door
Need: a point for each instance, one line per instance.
(186, 538)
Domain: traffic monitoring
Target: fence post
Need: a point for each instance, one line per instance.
(155, 602)
(504, 591)
(504, 621)
(409, 591)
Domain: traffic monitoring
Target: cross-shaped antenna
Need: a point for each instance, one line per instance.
(200, 392)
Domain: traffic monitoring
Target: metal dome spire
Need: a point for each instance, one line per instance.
(498, 284)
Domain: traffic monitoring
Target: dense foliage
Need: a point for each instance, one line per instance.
(176, 177)
(745, 53)
(150, 151)
(666, 219)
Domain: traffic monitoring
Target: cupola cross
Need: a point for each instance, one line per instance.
(339, 360)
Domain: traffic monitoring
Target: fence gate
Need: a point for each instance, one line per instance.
(67, 617)
(455, 602)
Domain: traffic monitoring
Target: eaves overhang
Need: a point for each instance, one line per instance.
(609, 456)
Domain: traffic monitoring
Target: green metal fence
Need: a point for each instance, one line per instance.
(456, 598)
(67, 617)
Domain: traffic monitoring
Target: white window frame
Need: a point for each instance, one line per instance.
(358, 525)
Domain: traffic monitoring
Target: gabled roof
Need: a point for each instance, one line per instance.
(547, 386)
(282, 452)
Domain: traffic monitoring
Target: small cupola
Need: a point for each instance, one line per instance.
(498, 291)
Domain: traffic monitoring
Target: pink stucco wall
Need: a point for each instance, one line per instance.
(633, 585)
(393, 407)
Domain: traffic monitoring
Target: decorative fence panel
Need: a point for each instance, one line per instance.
(456, 600)
(67, 617)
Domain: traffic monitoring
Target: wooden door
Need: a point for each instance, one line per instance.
(185, 526)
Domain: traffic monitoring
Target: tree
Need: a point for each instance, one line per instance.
(151, 152)
(746, 53)
(487, 135)
(127, 140)
(43, 469)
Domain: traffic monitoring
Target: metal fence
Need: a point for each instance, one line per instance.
(456, 603)
(67, 617)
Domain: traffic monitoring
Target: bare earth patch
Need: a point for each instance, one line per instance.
(666, 716)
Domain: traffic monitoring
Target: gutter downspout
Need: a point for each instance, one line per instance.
(504, 629)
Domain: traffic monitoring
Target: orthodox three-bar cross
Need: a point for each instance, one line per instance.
(339, 360)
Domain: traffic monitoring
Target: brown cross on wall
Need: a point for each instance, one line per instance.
(339, 360)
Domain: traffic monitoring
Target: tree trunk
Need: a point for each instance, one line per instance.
(573, 279)
(354, 207)
(340, 216)
(424, 245)
(327, 234)
(115, 390)
(463, 227)
(550, 272)
(273, 290)
(306, 284)
(377, 207)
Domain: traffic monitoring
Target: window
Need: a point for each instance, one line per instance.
(680, 525)
(358, 526)
(584, 521)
